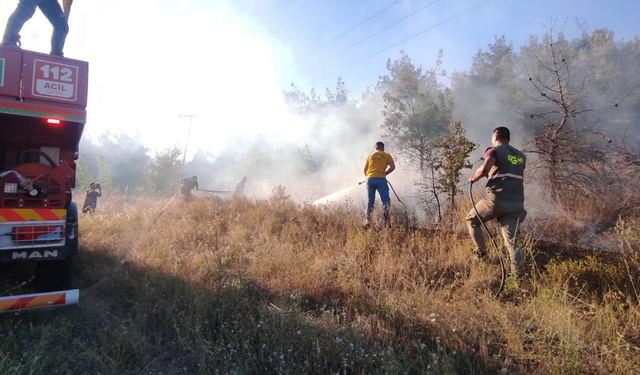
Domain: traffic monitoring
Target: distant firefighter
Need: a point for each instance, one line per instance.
(187, 184)
(91, 198)
(239, 189)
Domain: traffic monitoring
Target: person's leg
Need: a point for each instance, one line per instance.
(383, 190)
(510, 225)
(23, 12)
(486, 210)
(371, 197)
(52, 10)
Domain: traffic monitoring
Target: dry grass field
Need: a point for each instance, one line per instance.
(264, 286)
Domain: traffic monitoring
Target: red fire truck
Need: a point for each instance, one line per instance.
(43, 102)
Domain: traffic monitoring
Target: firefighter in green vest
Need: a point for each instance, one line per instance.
(504, 199)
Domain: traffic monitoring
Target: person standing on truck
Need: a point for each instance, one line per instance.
(91, 198)
(187, 184)
(504, 199)
(376, 171)
(238, 191)
(57, 16)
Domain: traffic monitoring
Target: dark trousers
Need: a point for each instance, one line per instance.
(89, 207)
(24, 11)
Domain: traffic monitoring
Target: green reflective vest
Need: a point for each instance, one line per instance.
(506, 176)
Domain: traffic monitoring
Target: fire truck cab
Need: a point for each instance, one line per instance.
(43, 102)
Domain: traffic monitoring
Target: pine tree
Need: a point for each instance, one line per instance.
(83, 175)
(104, 175)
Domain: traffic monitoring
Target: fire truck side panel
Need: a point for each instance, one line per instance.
(43, 102)
(10, 72)
(54, 79)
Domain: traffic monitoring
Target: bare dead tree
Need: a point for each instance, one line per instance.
(571, 152)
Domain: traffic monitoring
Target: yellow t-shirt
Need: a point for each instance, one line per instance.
(377, 163)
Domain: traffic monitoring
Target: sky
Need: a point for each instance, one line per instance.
(226, 62)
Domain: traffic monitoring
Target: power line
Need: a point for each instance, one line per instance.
(409, 38)
(346, 32)
(367, 38)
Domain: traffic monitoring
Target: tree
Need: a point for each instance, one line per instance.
(567, 95)
(492, 80)
(204, 165)
(88, 153)
(340, 98)
(126, 159)
(416, 111)
(84, 177)
(313, 102)
(495, 66)
(104, 174)
(455, 149)
(164, 171)
(306, 164)
(556, 99)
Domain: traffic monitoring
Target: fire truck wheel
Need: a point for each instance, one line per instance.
(54, 275)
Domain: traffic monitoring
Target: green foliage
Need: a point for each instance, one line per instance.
(589, 276)
(495, 66)
(306, 164)
(164, 171)
(455, 149)
(313, 102)
(104, 175)
(126, 158)
(417, 110)
(83, 175)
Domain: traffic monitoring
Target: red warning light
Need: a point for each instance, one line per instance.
(54, 121)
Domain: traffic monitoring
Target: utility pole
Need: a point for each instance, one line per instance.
(184, 156)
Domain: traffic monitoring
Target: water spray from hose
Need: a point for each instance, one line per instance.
(401, 202)
(334, 196)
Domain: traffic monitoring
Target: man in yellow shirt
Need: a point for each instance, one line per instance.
(376, 172)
